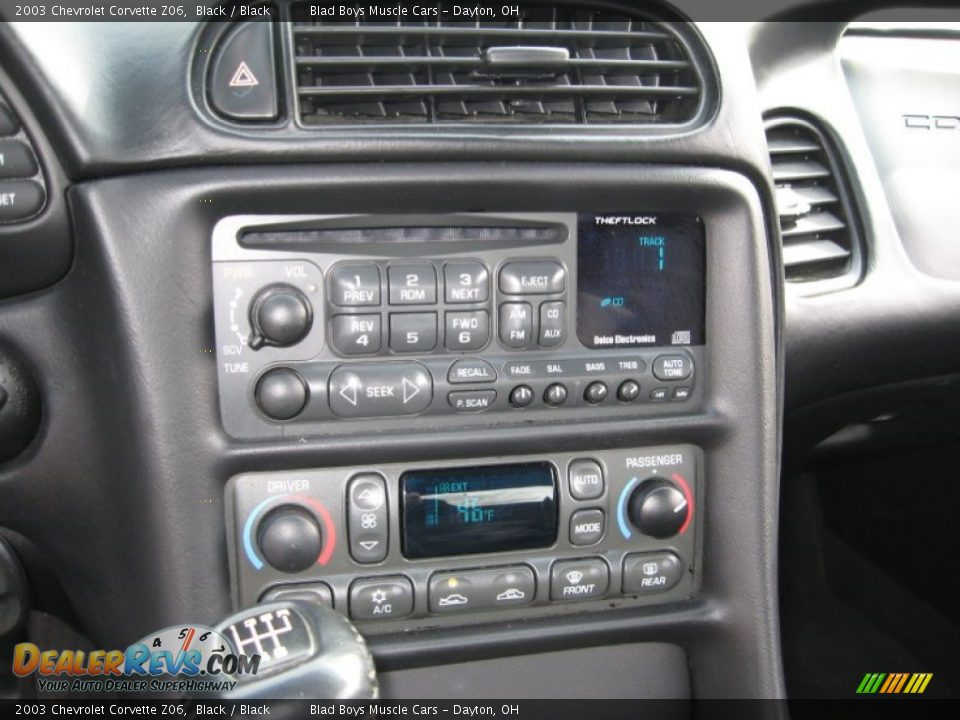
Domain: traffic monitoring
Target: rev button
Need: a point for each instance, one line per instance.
(380, 390)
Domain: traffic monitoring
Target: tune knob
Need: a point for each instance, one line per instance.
(658, 508)
(290, 538)
(280, 316)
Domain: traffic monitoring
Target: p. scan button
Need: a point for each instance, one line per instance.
(380, 389)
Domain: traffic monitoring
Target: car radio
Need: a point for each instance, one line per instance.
(323, 322)
(416, 543)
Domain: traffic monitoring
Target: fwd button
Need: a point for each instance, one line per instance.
(380, 390)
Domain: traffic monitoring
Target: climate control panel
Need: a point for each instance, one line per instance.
(414, 543)
(455, 320)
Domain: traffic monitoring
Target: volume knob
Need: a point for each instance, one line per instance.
(280, 316)
(658, 508)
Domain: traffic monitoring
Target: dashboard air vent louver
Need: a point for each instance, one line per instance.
(816, 222)
(552, 64)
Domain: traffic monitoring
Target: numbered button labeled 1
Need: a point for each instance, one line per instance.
(356, 334)
(367, 518)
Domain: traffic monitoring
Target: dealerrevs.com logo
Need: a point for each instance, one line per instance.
(180, 659)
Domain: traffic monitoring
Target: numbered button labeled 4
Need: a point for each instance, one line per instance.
(356, 334)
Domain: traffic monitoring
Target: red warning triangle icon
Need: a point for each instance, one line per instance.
(243, 77)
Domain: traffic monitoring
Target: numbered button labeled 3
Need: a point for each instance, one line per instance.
(466, 282)
(367, 518)
(356, 334)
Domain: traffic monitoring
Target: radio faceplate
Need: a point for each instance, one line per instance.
(456, 320)
(581, 530)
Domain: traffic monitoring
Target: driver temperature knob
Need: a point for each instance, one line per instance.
(658, 508)
(290, 538)
(280, 316)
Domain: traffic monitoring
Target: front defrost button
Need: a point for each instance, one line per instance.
(243, 82)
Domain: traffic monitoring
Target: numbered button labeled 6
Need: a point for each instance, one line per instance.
(367, 518)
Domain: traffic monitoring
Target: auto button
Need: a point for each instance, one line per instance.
(380, 390)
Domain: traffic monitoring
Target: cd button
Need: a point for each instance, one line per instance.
(552, 324)
(516, 324)
(579, 580)
(472, 400)
(539, 277)
(471, 371)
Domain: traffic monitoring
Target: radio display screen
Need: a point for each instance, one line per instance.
(641, 279)
(463, 511)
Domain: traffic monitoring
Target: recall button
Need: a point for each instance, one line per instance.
(472, 370)
(472, 400)
(380, 390)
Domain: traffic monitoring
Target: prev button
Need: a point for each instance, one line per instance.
(380, 390)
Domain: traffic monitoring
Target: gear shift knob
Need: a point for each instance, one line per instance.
(307, 651)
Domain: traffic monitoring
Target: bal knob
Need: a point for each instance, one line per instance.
(658, 508)
(280, 316)
(290, 538)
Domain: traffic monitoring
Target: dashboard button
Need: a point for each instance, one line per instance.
(412, 284)
(672, 367)
(356, 334)
(281, 394)
(413, 332)
(8, 121)
(628, 391)
(467, 330)
(595, 393)
(651, 573)
(534, 277)
(19, 199)
(555, 395)
(472, 400)
(521, 396)
(579, 579)
(367, 518)
(586, 480)
(243, 84)
(466, 282)
(380, 390)
(383, 598)
(311, 592)
(659, 394)
(681, 393)
(355, 285)
(472, 590)
(16, 160)
(516, 324)
(470, 370)
(586, 527)
(553, 325)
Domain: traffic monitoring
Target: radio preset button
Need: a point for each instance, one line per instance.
(466, 282)
(516, 324)
(521, 396)
(413, 332)
(536, 277)
(586, 480)
(555, 395)
(553, 326)
(471, 371)
(595, 393)
(472, 400)
(412, 284)
(672, 367)
(367, 518)
(579, 580)
(383, 598)
(467, 330)
(628, 391)
(651, 573)
(380, 390)
(586, 527)
(355, 285)
(356, 334)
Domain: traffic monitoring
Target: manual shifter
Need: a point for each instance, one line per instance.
(307, 651)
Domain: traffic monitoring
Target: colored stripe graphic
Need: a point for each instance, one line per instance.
(894, 683)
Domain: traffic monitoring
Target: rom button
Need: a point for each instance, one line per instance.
(380, 390)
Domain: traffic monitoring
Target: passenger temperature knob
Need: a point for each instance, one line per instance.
(280, 316)
(658, 508)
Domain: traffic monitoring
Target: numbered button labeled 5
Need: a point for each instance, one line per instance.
(356, 334)
(367, 518)
(413, 332)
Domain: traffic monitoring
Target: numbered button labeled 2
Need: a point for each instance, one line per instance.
(413, 332)
(356, 334)
(467, 330)
(367, 518)
(412, 284)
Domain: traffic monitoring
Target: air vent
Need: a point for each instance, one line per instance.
(816, 222)
(552, 64)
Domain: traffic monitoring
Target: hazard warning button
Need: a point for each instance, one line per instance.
(243, 81)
